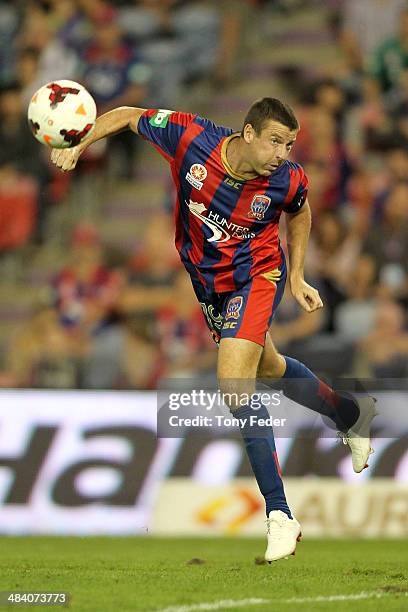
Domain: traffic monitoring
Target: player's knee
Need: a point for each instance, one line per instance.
(236, 392)
(273, 368)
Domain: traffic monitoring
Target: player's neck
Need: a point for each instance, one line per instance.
(235, 157)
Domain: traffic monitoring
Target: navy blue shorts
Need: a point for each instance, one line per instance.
(246, 312)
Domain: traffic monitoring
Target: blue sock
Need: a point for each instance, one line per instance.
(316, 395)
(260, 447)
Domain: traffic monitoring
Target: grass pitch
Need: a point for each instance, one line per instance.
(124, 574)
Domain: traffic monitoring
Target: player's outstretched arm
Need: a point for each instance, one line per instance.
(298, 230)
(112, 122)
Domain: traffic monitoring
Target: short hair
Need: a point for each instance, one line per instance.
(270, 108)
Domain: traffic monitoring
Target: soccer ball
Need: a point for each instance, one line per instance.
(61, 114)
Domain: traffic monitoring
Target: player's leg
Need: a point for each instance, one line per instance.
(351, 417)
(246, 315)
(237, 365)
(302, 386)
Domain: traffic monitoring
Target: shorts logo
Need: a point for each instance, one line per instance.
(259, 206)
(214, 319)
(234, 307)
(196, 175)
(160, 118)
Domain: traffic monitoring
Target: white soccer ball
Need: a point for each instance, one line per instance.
(61, 114)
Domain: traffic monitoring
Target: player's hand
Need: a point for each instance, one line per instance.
(66, 159)
(308, 297)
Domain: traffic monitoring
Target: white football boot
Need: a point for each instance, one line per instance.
(283, 533)
(358, 436)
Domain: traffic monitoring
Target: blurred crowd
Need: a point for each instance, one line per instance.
(137, 53)
(354, 147)
(126, 322)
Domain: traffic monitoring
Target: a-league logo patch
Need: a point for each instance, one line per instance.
(234, 307)
(196, 175)
(199, 172)
(259, 206)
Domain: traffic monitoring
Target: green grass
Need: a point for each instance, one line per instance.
(121, 574)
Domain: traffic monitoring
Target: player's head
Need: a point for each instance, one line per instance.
(269, 132)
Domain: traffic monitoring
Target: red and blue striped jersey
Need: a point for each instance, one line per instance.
(227, 227)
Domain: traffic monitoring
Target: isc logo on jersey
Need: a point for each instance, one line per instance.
(160, 118)
(196, 175)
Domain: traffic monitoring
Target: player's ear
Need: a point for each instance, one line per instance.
(248, 133)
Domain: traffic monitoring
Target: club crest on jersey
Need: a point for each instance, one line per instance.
(196, 175)
(259, 206)
(234, 307)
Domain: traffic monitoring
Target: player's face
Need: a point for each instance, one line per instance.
(268, 150)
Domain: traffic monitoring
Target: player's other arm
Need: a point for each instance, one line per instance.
(108, 124)
(298, 231)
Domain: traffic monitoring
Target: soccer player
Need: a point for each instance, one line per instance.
(232, 188)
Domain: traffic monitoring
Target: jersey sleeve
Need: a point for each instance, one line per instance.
(164, 129)
(298, 188)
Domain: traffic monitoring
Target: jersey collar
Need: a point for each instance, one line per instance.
(225, 163)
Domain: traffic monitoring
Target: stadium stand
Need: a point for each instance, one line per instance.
(353, 144)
